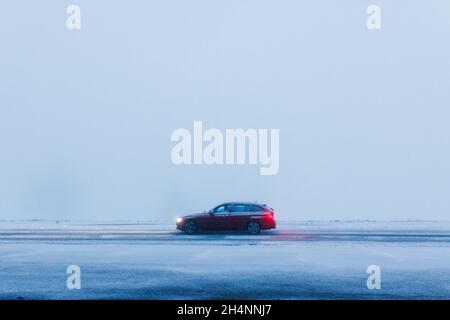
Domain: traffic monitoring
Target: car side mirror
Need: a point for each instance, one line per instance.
(211, 212)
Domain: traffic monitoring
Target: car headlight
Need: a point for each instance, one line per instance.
(179, 220)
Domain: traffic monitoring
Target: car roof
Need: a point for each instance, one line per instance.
(243, 202)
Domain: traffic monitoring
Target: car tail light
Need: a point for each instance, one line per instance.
(269, 215)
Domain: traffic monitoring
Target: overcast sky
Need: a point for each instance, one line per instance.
(86, 115)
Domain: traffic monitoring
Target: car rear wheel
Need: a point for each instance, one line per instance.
(191, 227)
(253, 227)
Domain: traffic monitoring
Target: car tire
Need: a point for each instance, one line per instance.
(253, 227)
(191, 227)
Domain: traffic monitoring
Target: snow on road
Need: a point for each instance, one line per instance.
(299, 260)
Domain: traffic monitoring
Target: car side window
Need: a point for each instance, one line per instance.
(257, 209)
(236, 208)
(253, 208)
(220, 210)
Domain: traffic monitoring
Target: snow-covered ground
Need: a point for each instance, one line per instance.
(298, 260)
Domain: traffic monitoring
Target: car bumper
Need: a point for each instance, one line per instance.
(269, 225)
(180, 226)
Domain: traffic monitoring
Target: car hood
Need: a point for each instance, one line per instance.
(195, 215)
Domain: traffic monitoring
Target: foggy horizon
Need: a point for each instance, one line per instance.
(86, 116)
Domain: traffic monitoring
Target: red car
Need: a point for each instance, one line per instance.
(231, 216)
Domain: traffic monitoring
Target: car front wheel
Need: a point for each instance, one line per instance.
(191, 227)
(253, 227)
